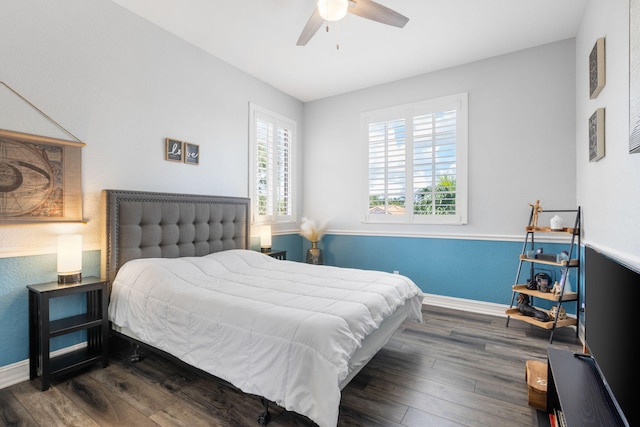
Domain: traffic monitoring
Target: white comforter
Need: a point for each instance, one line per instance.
(279, 329)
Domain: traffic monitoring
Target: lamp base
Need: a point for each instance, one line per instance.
(265, 250)
(70, 278)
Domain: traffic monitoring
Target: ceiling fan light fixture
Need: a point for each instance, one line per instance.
(333, 10)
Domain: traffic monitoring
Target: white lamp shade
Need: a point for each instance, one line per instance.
(265, 237)
(69, 254)
(333, 10)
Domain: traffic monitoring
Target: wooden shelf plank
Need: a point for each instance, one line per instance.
(570, 263)
(515, 314)
(550, 296)
(569, 230)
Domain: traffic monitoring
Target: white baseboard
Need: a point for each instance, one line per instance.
(473, 306)
(19, 371)
(14, 373)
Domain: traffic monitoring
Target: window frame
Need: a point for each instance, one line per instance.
(458, 102)
(278, 121)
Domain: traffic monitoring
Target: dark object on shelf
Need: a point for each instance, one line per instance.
(525, 308)
(540, 282)
(544, 285)
(547, 257)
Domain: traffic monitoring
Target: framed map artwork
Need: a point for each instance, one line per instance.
(40, 178)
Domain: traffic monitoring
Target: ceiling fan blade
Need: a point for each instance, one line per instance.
(376, 12)
(313, 25)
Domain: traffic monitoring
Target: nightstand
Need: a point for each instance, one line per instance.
(42, 329)
(277, 254)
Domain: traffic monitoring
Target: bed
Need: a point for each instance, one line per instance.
(185, 283)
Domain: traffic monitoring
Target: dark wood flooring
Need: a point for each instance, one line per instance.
(455, 369)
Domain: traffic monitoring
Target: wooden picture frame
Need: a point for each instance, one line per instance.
(191, 153)
(173, 150)
(596, 69)
(41, 179)
(596, 135)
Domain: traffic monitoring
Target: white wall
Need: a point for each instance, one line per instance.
(122, 85)
(608, 190)
(521, 143)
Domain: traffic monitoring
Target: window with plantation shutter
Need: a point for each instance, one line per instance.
(417, 163)
(272, 140)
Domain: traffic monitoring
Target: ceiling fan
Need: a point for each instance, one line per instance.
(334, 10)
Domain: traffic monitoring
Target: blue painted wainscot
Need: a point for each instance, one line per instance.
(16, 274)
(471, 270)
(478, 270)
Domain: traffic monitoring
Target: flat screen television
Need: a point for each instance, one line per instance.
(612, 292)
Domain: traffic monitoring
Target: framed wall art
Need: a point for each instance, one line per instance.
(191, 153)
(596, 68)
(596, 135)
(40, 178)
(173, 150)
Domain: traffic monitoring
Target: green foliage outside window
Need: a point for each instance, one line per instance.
(427, 201)
(441, 201)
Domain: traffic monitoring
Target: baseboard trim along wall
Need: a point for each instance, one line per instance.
(19, 371)
(463, 304)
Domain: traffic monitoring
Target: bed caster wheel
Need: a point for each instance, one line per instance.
(135, 355)
(264, 418)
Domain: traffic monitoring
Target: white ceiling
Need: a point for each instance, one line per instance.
(259, 37)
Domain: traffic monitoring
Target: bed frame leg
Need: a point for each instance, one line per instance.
(135, 356)
(264, 417)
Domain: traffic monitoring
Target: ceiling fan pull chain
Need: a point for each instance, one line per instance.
(326, 21)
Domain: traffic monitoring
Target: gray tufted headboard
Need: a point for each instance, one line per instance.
(143, 224)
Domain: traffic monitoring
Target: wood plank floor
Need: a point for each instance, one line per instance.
(455, 368)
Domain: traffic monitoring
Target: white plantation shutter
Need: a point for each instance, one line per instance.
(387, 164)
(418, 162)
(434, 168)
(263, 193)
(272, 139)
(283, 169)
